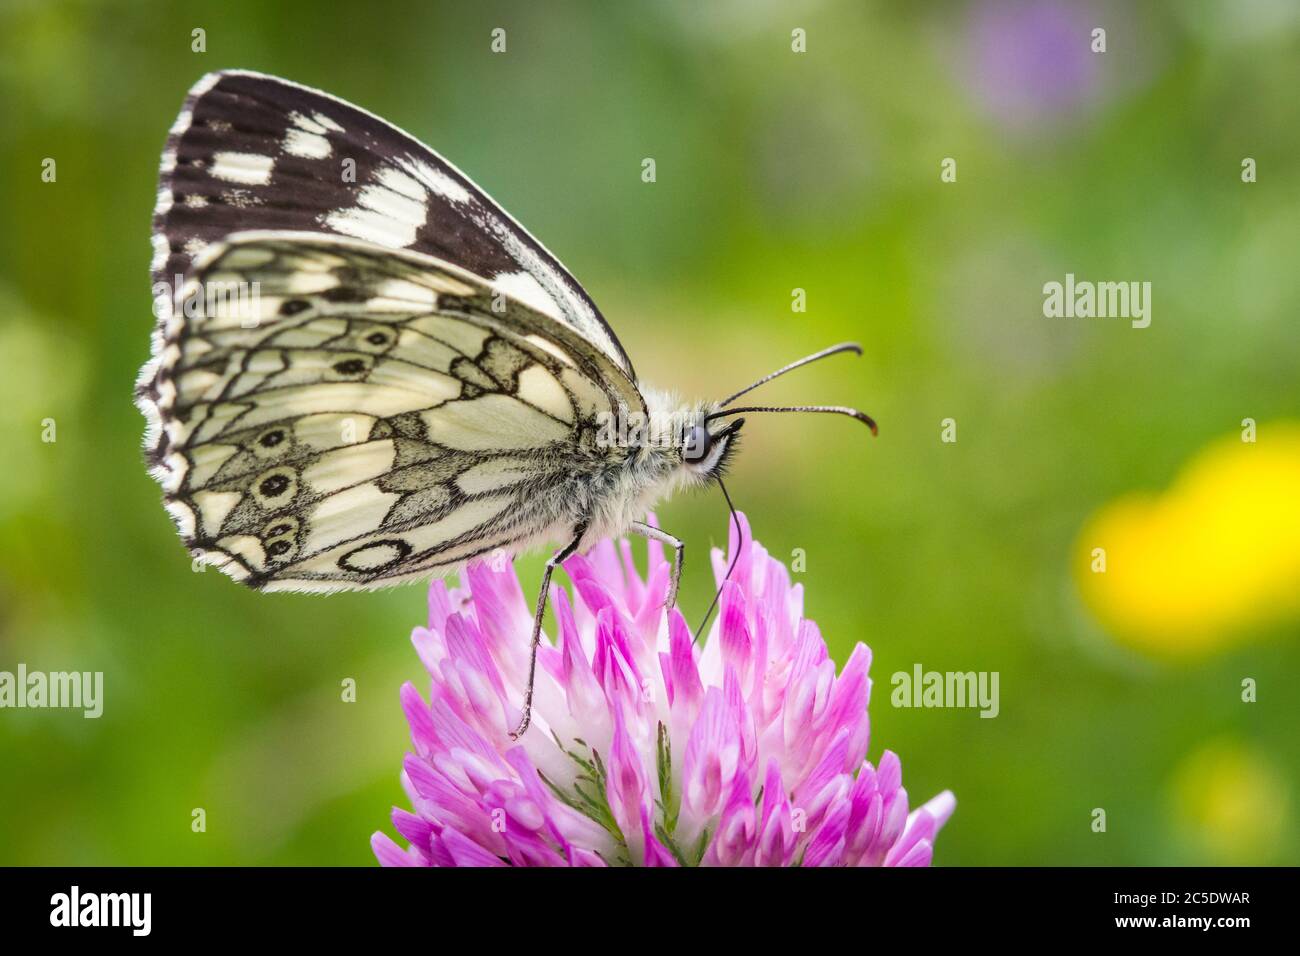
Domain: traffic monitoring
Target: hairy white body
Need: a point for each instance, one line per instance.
(618, 492)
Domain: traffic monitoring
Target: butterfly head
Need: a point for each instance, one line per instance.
(711, 434)
(707, 446)
(711, 431)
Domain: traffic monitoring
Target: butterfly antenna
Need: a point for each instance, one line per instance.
(735, 519)
(828, 409)
(853, 347)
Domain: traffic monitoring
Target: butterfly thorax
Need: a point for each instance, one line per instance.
(646, 463)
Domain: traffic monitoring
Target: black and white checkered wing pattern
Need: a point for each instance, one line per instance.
(327, 413)
(250, 151)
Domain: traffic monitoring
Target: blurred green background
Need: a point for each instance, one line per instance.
(775, 170)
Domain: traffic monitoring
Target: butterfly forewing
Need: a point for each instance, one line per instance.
(256, 152)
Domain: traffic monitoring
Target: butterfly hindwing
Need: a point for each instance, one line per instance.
(252, 152)
(333, 414)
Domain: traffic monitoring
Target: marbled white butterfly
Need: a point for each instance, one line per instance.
(365, 372)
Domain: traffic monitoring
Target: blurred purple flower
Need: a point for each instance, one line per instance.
(644, 749)
(1032, 62)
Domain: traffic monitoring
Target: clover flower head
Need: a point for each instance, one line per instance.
(644, 748)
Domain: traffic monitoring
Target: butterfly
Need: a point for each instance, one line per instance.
(365, 372)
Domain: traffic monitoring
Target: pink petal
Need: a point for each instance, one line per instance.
(423, 735)
(389, 853)
(827, 843)
(464, 851)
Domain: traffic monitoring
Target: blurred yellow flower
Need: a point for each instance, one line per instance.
(1230, 803)
(1193, 569)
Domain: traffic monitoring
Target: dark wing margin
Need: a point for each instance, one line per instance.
(255, 152)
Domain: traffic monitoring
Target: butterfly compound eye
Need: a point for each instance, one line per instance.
(697, 444)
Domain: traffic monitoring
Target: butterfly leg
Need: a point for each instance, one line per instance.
(679, 555)
(557, 558)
